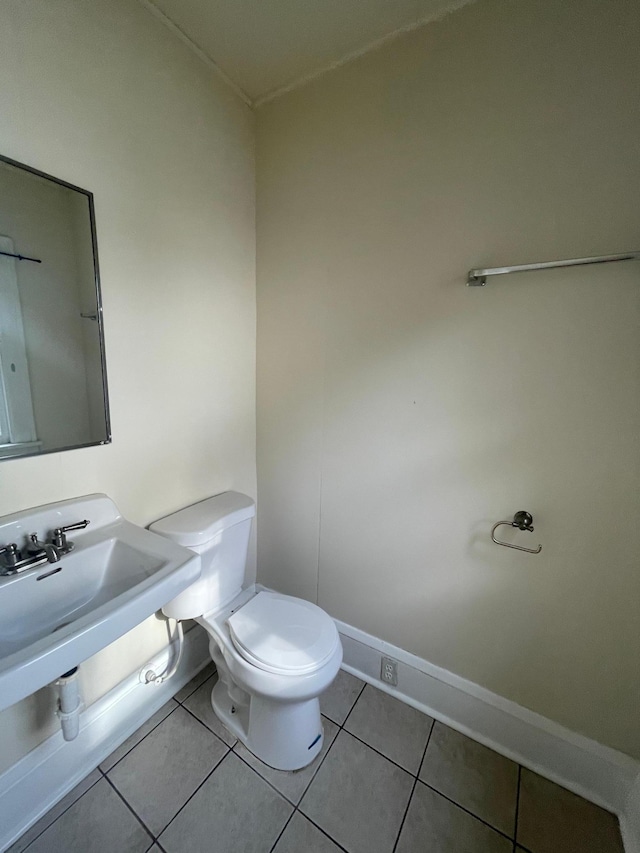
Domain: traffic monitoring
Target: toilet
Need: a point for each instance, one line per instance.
(275, 654)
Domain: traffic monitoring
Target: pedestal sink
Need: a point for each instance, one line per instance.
(56, 615)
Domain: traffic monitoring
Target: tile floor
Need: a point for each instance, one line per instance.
(388, 780)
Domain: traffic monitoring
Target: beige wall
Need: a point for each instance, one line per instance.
(401, 413)
(101, 95)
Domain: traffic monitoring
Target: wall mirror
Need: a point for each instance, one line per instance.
(53, 382)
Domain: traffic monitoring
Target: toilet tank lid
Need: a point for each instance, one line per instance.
(201, 522)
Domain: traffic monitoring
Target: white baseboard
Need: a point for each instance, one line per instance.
(33, 785)
(593, 771)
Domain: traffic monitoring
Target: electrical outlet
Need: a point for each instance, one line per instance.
(389, 671)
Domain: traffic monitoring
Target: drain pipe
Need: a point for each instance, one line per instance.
(69, 704)
(150, 675)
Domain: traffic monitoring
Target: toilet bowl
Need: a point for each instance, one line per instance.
(275, 654)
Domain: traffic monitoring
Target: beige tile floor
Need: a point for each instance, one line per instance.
(388, 780)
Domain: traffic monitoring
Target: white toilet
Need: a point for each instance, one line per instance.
(275, 654)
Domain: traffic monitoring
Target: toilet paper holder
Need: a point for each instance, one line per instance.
(523, 520)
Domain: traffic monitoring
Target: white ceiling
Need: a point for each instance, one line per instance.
(264, 46)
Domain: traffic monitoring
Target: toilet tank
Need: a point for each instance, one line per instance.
(218, 529)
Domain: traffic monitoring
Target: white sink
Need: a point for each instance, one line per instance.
(56, 615)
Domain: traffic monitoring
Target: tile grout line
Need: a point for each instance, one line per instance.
(262, 778)
(61, 813)
(122, 797)
(375, 749)
(344, 722)
(216, 765)
(127, 804)
(416, 776)
(323, 831)
(179, 704)
(191, 796)
(382, 755)
(324, 757)
(286, 799)
(271, 785)
(210, 730)
(462, 808)
(229, 749)
(515, 827)
(281, 833)
(137, 743)
(189, 695)
(413, 788)
(296, 807)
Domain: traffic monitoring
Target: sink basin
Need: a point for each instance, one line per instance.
(56, 615)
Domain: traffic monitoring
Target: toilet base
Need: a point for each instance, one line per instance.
(286, 736)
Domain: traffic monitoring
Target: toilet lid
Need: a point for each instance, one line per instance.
(279, 633)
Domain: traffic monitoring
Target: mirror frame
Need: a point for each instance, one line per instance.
(99, 313)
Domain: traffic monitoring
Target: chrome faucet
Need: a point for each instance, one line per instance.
(13, 560)
(50, 550)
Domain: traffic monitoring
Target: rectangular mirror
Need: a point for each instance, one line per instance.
(53, 381)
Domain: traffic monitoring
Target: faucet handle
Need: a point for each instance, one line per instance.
(36, 544)
(59, 538)
(11, 554)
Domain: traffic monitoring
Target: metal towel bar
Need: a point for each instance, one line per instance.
(478, 278)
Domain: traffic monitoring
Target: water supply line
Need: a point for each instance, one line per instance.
(150, 675)
(69, 704)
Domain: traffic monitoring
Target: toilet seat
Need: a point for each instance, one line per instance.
(282, 634)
